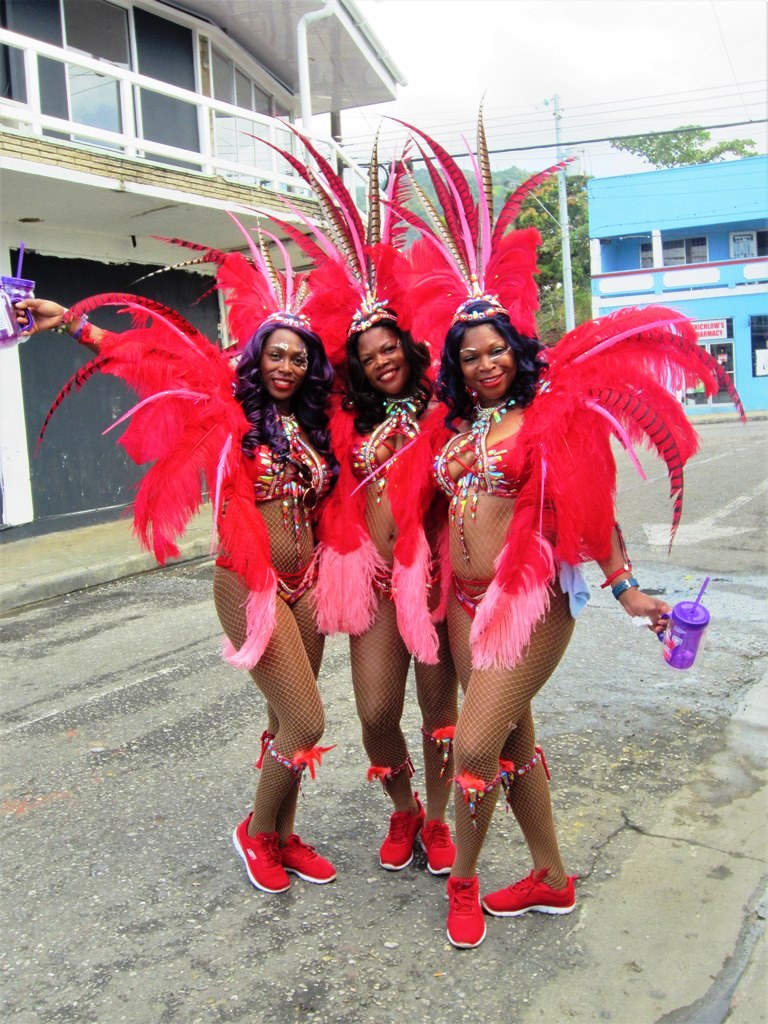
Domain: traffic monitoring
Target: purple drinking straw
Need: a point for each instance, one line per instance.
(20, 260)
(701, 592)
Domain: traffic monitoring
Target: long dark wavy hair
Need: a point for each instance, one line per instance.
(368, 403)
(309, 404)
(528, 353)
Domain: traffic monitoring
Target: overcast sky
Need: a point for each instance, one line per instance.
(618, 67)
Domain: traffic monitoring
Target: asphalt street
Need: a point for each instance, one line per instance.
(128, 749)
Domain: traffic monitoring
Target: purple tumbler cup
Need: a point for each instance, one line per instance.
(685, 632)
(12, 290)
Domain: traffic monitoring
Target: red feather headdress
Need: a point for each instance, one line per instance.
(359, 278)
(462, 257)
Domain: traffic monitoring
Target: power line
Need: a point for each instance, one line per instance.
(613, 138)
(497, 122)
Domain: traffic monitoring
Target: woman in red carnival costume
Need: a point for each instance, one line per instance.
(252, 423)
(379, 528)
(531, 482)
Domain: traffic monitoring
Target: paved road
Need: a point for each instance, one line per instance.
(128, 748)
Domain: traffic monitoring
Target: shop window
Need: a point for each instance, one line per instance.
(677, 252)
(758, 326)
(721, 348)
(680, 251)
(748, 244)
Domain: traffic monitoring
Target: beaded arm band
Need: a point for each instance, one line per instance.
(82, 334)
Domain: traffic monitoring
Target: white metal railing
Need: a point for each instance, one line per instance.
(228, 136)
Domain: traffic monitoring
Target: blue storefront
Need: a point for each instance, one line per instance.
(696, 239)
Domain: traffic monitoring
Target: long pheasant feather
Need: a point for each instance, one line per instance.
(439, 230)
(445, 199)
(633, 407)
(511, 207)
(373, 236)
(274, 277)
(485, 164)
(289, 276)
(75, 382)
(393, 231)
(337, 188)
(452, 170)
(310, 248)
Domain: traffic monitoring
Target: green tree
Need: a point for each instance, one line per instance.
(686, 145)
(540, 210)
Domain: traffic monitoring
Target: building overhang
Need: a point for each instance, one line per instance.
(349, 66)
(108, 207)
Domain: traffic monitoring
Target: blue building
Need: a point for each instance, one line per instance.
(695, 239)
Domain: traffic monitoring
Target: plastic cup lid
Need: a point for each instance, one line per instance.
(19, 282)
(690, 614)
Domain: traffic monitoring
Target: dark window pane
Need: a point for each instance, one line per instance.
(39, 19)
(13, 83)
(243, 97)
(222, 76)
(164, 51)
(262, 101)
(98, 28)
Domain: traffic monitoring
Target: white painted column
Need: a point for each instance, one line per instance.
(595, 267)
(658, 249)
(595, 256)
(14, 456)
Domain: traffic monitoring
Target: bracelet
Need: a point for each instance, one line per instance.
(624, 586)
(63, 326)
(612, 577)
(82, 328)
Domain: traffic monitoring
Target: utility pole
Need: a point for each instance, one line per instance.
(565, 233)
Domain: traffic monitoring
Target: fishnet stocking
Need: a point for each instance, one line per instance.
(530, 802)
(496, 702)
(287, 676)
(380, 662)
(437, 693)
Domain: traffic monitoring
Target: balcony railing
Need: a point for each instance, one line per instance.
(695, 276)
(105, 105)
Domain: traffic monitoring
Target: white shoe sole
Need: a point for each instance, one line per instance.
(466, 945)
(430, 869)
(396, 867)
(539, 909)
(308, 878)
(251, 879)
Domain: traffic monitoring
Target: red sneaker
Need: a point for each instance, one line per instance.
(302, 860)
(396, 851)
(261, 856)
(531, 893)
(466, 925)
(436, 842)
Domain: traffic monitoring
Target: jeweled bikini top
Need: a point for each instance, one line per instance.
(481, 469)
(303, 476)
(372, 455)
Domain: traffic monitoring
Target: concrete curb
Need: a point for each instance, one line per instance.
(40, 568)
(16, 595)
